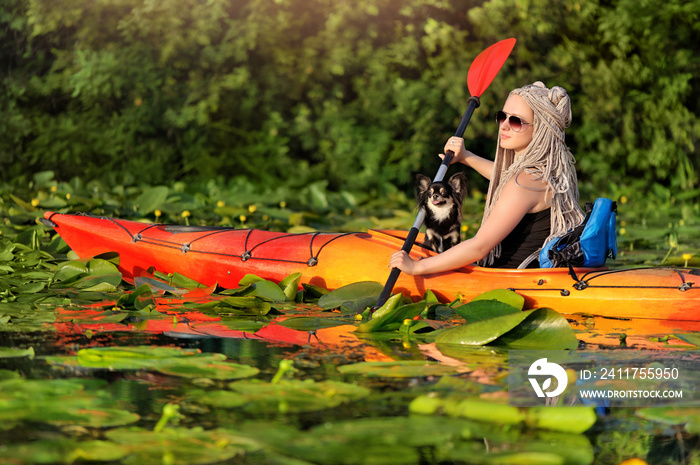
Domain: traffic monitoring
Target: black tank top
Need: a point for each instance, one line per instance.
(527, 237)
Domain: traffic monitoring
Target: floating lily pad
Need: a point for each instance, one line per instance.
(249, 326)
(525, 330)
(393, 319)
(96, 275)
(249, 304)
(567, 419)
(11, 352)
(176, 446)
(308, 323)
(504, 296)
(693, 339)
(63, 451)
(290, 285)
(687, 416)
(283, 397)
(266, 290)
(483, 331)
(210, 369)
(359, 295)
(403, 440)
(60, 402)
(542, 329)
(313, 293)
(402, 369)
(132, 358)
(141, 298)
(478, 310)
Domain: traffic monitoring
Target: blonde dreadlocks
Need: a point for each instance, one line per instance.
(546, 157)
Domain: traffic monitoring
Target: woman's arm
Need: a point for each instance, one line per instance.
(482, 165)
(514, 203)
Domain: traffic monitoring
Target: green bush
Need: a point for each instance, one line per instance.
(362, 94)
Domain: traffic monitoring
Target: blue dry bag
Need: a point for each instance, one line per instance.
(589, 244)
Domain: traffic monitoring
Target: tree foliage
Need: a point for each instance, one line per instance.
(360, 93)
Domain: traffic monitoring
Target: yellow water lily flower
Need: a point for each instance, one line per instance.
(220, 203)
(186, 214)
(252, 209)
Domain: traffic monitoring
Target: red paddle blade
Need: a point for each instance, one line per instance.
(486, 66)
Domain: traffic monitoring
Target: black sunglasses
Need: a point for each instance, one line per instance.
(516, 124)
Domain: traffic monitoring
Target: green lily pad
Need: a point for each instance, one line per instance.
(503, 295)
(220, 399)
(210, 369)
(248, 326)
(542, 329)
(249, 279)
(283, 397)
(178, 280)
(403, 440)
(151, 199)
(402, 369)
(478, 310)
(139, 299)
(176, 446)
(308, 323)
(361, 295)
(29, 288)
(689, 338)
(266, 290)
(566, 419)
(290, 285)
(481, 332)
(248, 304)
(687, 416)
(97, 275)
(9, 374)
(393, 319)
(11, 352)
(60, 402)
(64, 451)
(313, 293)
(132, 358)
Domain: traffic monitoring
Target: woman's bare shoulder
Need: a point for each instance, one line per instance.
(529, 181)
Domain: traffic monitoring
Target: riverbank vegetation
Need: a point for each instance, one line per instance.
(360, 95)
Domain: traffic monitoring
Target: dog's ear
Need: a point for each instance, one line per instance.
(458, 182)
(422, 184)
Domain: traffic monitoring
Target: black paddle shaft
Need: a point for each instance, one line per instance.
(472, 104)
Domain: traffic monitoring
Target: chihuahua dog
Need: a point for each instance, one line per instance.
(442, 202)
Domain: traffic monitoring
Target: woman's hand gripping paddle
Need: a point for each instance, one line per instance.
(481, 73)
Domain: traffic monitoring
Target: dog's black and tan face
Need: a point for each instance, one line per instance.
(442, 202)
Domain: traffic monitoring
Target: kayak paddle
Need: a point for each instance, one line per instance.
(481, 73)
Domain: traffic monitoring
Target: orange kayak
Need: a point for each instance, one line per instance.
(215, 255)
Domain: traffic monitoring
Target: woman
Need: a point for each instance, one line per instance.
(533, 191)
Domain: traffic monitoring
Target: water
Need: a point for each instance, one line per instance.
(65, 411)
(295, 425)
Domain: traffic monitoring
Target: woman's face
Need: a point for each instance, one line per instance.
(517, 141)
